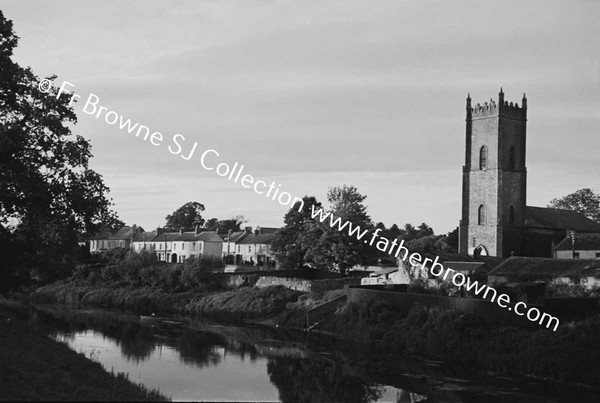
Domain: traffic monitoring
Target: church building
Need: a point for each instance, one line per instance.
(496, 220)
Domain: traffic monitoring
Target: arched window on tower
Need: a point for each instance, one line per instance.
(511, 215)
(483, 154)
(481, 215)
(511, 158)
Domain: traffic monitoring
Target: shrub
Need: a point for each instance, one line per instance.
(113, 256)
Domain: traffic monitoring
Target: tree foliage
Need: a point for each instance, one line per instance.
(584, 201)
(232, 224)
(187, 216)
(290, 246)
(49, 197)
(330, 248)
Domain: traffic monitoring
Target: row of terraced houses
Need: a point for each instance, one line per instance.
(250, 247)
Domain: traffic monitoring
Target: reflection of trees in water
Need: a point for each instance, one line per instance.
(312, 380)
(136, 342)
(199, 348)
(404, 396)
(203, 348)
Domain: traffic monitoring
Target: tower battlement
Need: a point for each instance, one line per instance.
(502, 107)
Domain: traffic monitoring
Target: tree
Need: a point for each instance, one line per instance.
(328, 247)
(584, 201)
(231, 224)
(187, 216)
(212, 224)
(49, 196)
(452, 240)
(290, 245)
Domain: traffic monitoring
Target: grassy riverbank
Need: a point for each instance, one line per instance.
(242, 303)
(35, 367)
(570, 355)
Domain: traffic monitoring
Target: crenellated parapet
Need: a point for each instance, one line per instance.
(493, 108)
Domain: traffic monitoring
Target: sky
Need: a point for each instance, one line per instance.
(314, 94)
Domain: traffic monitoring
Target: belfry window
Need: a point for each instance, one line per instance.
(483, 154)
(481, 215)
(511, 158)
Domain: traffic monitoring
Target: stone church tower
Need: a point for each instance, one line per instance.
(494, 178)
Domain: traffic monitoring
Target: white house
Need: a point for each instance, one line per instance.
(255, 250)
(122, 238)
(230, 248)
(203, 244)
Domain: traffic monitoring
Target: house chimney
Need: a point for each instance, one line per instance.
(248, 230)
(196, 230)
(180, 230)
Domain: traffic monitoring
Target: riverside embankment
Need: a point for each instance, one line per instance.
(568, 356)
(36, 367)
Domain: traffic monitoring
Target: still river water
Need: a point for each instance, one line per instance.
(191, 359)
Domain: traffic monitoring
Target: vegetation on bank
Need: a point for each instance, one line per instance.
(139, 282)
(35, 367)
(570, 354)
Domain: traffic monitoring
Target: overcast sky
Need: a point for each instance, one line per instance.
(313, 94)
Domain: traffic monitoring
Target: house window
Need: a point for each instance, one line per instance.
(483, 154)
(575, 255)
(481, 215)
(249, 248)
(194, 246)
(511, 215)
(598, 254)
(182, 246)
(511, 158)
(239, 249)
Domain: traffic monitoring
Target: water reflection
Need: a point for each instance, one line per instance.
(196, 360)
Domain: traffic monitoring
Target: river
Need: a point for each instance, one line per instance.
(193, 359)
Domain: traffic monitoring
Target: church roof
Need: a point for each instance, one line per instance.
(540, 217)
(537, 267)
(582, 242)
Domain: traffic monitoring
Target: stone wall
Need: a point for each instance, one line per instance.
(291, 283)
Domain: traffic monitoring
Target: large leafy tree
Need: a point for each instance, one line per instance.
(584, 201)
(328, 247)
(49, 197)
(290, 245)
(187, 216)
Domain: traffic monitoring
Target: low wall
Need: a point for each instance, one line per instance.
(403, 302)
(306, 285)
(291, 283)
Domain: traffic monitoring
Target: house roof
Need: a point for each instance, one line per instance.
(234, 237)
(267, 230)
(258, 239)
(125, 232)
(540, 217)
(536, 267)
(464, 267)
(165, 236)
(144, 236)
(582, 242)
(206, 236)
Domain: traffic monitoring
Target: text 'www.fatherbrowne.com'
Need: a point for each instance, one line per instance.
(393, 248)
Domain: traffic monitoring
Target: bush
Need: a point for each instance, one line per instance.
(113, 256)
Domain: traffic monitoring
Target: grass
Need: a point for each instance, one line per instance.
(570, 355)
(35, 367)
